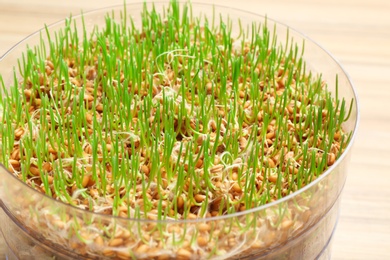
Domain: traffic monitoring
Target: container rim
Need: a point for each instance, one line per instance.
(216, 218)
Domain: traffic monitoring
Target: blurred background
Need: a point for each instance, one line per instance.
(357, 33)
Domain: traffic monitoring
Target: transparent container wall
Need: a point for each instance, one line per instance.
(299, 226)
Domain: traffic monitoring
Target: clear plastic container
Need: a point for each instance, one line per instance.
(299, 226)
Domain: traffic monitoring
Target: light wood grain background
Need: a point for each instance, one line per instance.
(357, 33)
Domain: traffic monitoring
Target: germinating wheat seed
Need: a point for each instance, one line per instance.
(178, 119)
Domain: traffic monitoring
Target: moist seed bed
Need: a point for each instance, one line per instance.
(176, 120)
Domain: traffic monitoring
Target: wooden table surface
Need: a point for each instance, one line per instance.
(357, 33)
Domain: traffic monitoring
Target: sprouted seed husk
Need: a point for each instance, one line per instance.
(180, 118)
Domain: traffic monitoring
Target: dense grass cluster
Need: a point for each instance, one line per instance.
(179, 118)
